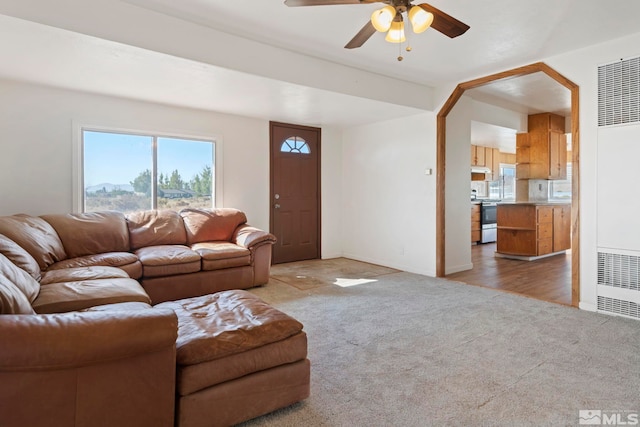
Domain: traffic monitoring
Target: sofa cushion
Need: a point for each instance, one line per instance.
(192, 378)
(82, 294)
(13, 284)
(19, 257)
(123, 260)
(20, 278)
(121, 306)
(12, 300)
(91, 232)
(82, 273)
(36, 236)
(168, 260)
(204, 225)
(225, 323)
(155, 227)
(218, 255)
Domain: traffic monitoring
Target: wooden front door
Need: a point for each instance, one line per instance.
(295, 192)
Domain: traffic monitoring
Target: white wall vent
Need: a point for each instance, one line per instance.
(619, 92)
(617, 306)
(619, 271)
(619, 284)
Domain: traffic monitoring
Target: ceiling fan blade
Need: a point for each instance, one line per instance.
(446, 24)
(296, 3)
(363, 35)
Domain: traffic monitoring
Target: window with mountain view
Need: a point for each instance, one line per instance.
(129, 172)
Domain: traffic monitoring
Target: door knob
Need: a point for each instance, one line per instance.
(277, 206)
(277, 196)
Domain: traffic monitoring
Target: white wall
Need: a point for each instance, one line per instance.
(618, 156)
(36, 163)
(581, 67)
(457, 177)
(388, 201)
(498, 116)
(331, 187)
(120, 21)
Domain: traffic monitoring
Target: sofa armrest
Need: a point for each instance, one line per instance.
(88, 369)
(76, 339)
(248, 236)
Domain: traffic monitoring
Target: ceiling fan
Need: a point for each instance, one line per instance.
(389, 19)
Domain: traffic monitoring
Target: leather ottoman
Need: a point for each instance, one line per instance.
(237, 358)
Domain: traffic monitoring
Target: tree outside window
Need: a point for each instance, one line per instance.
(128, 172)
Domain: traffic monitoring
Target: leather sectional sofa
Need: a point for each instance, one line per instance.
(172, 254)
(121, 320)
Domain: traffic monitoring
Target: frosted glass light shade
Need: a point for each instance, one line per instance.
(420, 19)
(382, 18)
(396, 33)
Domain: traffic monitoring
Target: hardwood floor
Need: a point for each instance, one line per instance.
(547, 279)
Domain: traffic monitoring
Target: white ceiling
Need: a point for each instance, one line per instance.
(60, 58)
(530, 94)
(488, 135)
(503, 34)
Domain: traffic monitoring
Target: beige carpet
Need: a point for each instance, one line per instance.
(389, 348)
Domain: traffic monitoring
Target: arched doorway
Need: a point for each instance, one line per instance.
(441, 136)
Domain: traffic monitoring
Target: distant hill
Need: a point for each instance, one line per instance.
(109, 187)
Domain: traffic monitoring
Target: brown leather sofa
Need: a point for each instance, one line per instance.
(82, 345)
(171, 254)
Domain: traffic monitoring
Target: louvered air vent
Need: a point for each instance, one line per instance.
(619, 271)
(619, 284)
(617, 306)
(619, 92)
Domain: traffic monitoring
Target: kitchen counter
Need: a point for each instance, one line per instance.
(531, 230)
(539, 203)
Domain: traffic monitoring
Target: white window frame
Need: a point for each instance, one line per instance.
(78, 157)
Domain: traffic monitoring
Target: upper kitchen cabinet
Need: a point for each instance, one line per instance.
(542, 152)
(496, 158)
(485, 157)
(478, 155)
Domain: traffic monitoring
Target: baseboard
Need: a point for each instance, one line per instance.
(331, 256)
(400, 267)
(458, 268)
(587, 306)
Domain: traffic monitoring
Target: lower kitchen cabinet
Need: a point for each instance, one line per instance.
(476, 231)
(532, 230)
(561, 223)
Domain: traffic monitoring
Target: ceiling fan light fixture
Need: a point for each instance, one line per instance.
(420, 19)
(396, 33)
(382, 18)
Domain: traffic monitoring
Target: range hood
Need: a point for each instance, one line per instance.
(480, 169)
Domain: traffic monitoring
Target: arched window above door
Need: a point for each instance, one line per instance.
(295, 144)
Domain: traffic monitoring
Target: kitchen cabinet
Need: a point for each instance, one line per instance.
(495, 164)
(486, 157)
(561, 228)
(533, 230)
(476, 231)
(477, 155)
(541, 153)
(508, 158)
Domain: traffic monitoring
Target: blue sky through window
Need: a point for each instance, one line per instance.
(118, 159)
(187, 156)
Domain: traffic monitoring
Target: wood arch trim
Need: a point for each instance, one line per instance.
(441, 141)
